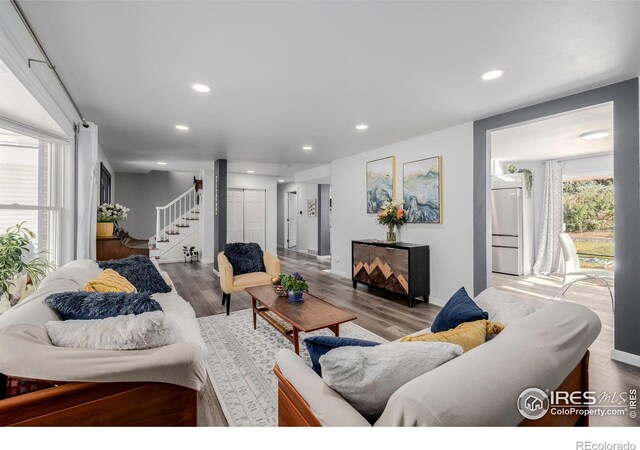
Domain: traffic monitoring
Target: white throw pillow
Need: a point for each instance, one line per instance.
(130, 332)
(367, 376)
(502, 307)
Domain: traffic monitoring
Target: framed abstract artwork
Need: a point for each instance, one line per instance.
(422, 190)
(381, 184)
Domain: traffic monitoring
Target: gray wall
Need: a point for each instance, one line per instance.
(626, 162)
(142, 192)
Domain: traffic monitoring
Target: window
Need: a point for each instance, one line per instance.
(588, 218)
(30, 188)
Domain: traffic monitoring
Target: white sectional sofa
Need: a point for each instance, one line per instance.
(547, 349)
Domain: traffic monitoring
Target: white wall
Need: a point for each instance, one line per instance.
(588, 167)
(307, 236)
(451, 243)
(269, 184)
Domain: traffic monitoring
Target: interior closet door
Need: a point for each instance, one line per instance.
(255, 216)
(292, 219)
(235, 215)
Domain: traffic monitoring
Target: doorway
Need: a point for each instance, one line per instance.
(626, 162)
(246, 216)
(291, 219)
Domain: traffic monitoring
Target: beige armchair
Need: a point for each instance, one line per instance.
(231, 284)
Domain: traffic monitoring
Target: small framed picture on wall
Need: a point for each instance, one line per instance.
(311, 207)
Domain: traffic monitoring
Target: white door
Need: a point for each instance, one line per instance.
(235, 215)
(254, 216)
(292, 219)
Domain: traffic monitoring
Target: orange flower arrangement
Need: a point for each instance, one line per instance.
(392, 213)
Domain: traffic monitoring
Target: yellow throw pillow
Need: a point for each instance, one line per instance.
(467, 335)
(109, 281)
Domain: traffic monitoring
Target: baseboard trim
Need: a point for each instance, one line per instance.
(216, 273)
(627, 358)
(338, 273)
(207, 261)
(172, 260)
(323, 257)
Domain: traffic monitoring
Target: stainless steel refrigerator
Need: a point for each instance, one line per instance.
(511, 227)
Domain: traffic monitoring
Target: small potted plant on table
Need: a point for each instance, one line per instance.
(295, 285)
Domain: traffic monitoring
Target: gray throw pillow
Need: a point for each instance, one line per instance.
(367, 376)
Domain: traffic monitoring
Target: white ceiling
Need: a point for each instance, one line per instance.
(288, 74)
(556, 137)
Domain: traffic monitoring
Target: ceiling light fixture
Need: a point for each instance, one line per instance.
(307, 147)
(280, 180)
(201, 87)
(182, 127)
(251, 171)
(161, 163)
(492, 74)
(362, 127)
(592, 135)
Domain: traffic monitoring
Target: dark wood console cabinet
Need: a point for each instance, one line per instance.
(401, 268)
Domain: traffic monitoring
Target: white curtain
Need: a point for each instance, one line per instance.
(87, 193)
(548, 256)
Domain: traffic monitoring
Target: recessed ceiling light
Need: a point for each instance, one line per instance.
(280, 180)
(251, 171)
(161, 163)
(591, 135)
(492, 74)
(201, 87)
(182, 127)
(362, 127)
(307, 147)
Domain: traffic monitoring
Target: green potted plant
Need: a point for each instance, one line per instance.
(392, 215)
(108, 214)
(295, 285)
(17, 258)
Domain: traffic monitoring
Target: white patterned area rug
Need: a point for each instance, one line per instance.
(241, 362)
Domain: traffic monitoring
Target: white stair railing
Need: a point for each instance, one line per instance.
(175, 214)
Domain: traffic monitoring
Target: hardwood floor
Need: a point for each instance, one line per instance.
(389, 317)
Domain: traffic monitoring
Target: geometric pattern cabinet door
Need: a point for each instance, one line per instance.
(401, 268)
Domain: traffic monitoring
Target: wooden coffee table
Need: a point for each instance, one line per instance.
(290, 318)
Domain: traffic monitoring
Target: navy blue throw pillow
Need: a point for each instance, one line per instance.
(140, 272)
(459, 309)
(80, 305)
(319, 345)
(245, 257)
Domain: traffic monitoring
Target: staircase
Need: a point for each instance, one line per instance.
(177, 224)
